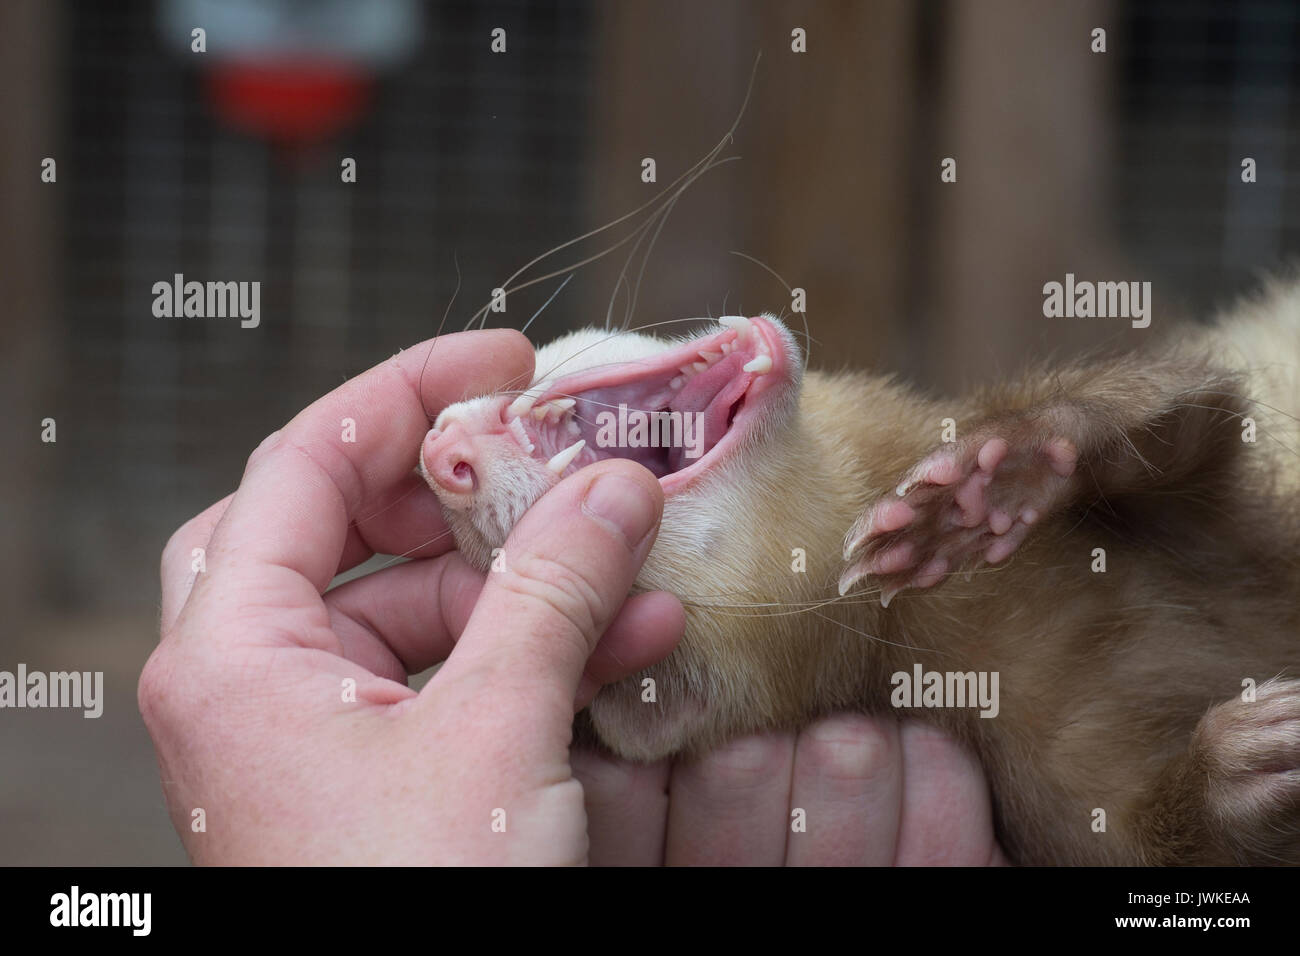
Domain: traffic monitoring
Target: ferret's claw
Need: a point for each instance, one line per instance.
(882, 518)
(850, 578)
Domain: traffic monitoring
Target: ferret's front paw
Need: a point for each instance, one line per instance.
(1250, 752)
(974, 498)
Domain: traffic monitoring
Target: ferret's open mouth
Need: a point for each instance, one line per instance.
(674, 413)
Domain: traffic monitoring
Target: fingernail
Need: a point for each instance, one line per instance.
(622, 504)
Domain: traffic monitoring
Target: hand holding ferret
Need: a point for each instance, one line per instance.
(286, 732)
(284, 727)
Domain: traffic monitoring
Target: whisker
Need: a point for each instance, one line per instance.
(406, 554)
(356, 522)
(441, 325)
(700, 166)
(547, 302)
(881, 640)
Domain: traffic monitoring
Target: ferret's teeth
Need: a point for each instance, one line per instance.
(687, 370)
(677, 383)
(553, 410)
(710, 357)
(573, 428)
(517, 429)
(759, 364)
(726, 348)
(565, 458)
(737, 322)
(557, 408)
(700, 366)
(521, 406)
(887, 595)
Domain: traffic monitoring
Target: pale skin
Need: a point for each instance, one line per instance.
(263, 739)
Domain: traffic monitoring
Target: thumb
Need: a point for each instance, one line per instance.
(568, 566)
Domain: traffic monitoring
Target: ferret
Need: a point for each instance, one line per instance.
(1114, 545)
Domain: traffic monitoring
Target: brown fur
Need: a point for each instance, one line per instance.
(1119, 690)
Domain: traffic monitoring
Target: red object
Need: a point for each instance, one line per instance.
(290, 102)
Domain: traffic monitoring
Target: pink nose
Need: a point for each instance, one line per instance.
(449, 459)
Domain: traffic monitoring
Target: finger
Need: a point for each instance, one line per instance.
(305, 483)
(848, 781)
(404, 619)
(644, 632)
(627, 808)
(731, 806)
(404, 520)
(181, 563)
(568, 565)
(947, 819)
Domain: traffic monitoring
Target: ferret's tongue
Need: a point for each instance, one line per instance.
(711, 392)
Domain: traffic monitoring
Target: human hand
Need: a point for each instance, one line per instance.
(873, 792)
(284, 728)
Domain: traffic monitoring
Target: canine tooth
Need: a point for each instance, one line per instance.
(737, 322)
(552, 410)
(563, 459)
(521, 406)
(677, 383)
(760, 364)
(710, 357)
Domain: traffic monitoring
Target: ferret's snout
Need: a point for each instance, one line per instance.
(450, 459)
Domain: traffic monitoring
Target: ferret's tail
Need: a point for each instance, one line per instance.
(1261, 336)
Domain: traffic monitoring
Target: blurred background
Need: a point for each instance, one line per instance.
(225, 165)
